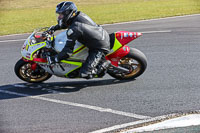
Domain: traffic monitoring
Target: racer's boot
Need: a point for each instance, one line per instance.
(102, 67)
(88, 70)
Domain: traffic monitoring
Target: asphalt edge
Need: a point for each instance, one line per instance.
(160, 119)
(141, 123)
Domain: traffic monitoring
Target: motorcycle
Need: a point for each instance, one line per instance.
(33, 67)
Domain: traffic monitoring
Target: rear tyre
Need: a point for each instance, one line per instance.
(135, 61)
(24, 72)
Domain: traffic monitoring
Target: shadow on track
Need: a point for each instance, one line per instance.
(31, 89)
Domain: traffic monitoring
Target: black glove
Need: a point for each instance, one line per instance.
(53, 28)
(52, 59)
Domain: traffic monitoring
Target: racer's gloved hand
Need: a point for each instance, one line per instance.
(44, 34)
(53, 28)
(52, 59)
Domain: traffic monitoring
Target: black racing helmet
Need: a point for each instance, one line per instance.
(65, 11)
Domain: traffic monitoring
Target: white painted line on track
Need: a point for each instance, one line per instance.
(139, 122)
(184, 121)
(116, 127)
(119, 126)
(100, 109)
(151, 32)
(145, 32)
(11, 35)
(13, 40)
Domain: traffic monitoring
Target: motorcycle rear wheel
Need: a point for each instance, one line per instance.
(24, 72)
(135, 61)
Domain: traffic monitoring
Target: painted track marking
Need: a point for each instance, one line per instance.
(96, 108)
(180, 122)
(13, 40)
(151, 32)
(143, 122)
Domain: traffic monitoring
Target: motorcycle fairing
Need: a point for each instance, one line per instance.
(125, 37)
(28, 50)
(119, 49)
(116, 46)
(116, 56)
(77, 64)
(61, 69)
(65, 67)
(76, 51)
(80, 51)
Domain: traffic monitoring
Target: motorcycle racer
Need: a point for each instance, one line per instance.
(82, 28)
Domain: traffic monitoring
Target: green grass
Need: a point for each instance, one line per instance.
(21, 16)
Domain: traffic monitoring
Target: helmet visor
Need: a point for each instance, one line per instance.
(59, 16)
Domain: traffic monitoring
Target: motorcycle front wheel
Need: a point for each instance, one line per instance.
(24, 72)
(135, 62)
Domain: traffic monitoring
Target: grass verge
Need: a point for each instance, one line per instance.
(21, 16)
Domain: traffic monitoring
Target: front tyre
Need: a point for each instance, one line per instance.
(135, 61)
(24, 72)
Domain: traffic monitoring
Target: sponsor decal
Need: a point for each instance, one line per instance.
(131, 34)
(127, 35)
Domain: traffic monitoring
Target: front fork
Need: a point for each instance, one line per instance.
(33, 64)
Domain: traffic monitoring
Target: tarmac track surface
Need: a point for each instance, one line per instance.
(169, 85)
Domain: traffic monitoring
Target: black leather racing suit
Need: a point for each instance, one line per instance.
(93, 36)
